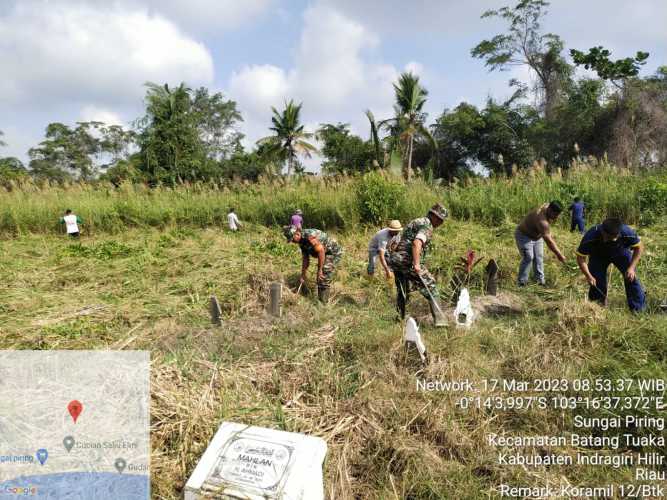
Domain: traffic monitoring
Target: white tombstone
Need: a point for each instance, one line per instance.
(412, 335)
(255, 463)
(463, 314)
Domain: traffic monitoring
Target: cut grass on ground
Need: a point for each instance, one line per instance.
(340, 371)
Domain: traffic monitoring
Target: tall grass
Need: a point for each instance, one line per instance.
(331, 203)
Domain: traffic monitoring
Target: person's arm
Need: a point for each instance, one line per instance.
(238, 222)
(305, 262)
(383, 261)
(321, 253)
(637, 251)
(551, 243)
(417, 246)
(582, 261)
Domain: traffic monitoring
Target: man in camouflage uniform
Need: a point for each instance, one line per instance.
(316, 243)
(405, 260)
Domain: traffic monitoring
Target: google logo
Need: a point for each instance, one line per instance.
(20, 491)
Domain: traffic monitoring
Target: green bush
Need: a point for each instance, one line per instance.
(379, 198)
(652, 201)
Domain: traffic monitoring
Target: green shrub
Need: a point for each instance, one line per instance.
(652, 201)
(379, 198)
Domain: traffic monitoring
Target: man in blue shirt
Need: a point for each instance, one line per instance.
(612, 242)
(577, 208)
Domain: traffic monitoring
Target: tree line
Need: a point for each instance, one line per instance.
(191, 134)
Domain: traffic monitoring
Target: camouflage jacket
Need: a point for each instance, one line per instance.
(421, 229)
(330, 245)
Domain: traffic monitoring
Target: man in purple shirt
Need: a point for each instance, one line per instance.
(296, 219)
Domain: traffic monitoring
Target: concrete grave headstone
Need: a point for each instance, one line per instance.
(255, 463)
(216, 311)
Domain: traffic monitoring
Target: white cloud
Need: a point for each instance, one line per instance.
(414, 67)
(332, 74)
(18, 142)
(209, 15)
(74, 53)
(259, 87)
(94, 114)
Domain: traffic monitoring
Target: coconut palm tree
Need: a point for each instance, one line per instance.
(289, 137)
(169, 141)
(409, 119)
(375, 138)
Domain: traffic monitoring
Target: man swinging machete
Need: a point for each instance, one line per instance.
(406, 263)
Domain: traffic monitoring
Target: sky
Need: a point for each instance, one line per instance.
(81, 60)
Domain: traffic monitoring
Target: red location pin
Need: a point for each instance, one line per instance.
(75, 408)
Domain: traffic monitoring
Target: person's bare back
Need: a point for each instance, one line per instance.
(535, 224)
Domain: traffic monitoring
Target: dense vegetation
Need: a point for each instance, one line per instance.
(189, 135)
(340, 202)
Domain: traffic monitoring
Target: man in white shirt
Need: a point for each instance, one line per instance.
(71, 222)
(378, 247)
(233, 220)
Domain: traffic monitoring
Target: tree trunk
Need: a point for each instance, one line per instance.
(408, 172)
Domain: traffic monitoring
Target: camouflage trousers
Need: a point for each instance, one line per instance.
(407, 280)
(329, 270)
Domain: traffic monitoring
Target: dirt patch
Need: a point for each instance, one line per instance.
(503, 304)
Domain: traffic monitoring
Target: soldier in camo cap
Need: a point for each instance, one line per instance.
(316, 243)
(406, 262)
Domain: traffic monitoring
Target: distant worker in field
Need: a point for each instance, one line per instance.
(71, 223)
(530, 235)
(612, 242)
(316, 243)
(377, 248)
(406, 263)
(233, 220)
(296, 219)
(577, 221)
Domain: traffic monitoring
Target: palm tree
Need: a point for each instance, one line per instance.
(409, 119)
(375, 138)
(289, 137)
(170, 139)
(2, 143)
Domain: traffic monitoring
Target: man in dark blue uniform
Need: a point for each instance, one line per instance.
(577, 222)
(612, 242)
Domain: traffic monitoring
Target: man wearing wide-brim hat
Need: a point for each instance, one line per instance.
(406, 262)
(377, 248)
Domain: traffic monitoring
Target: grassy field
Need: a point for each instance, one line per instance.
(340, 371)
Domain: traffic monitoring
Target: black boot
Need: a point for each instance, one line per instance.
(323, 294)
(401, 295)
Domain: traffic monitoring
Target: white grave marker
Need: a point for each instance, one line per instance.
(412, 335)
(255, 463)
(463, 314)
